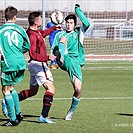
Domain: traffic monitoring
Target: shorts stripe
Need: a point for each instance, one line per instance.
(44, 71)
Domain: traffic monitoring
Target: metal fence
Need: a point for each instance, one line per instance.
(108, 19)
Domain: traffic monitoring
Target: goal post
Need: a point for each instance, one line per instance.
(123, 33)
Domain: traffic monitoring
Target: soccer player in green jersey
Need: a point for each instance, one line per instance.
(14, 43)
(68, 48)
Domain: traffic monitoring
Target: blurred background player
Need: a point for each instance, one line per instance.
(14, 42)
(68, 47)
(55, 14)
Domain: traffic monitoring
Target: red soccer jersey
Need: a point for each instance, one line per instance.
(38, 47)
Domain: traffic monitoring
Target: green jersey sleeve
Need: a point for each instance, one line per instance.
(81, 30)
(83, 18)
(26, 43)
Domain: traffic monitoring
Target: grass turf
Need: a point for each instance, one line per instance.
(105, 106)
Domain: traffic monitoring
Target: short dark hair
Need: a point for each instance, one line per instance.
(10, 12)
(72, 16)
(32, 17)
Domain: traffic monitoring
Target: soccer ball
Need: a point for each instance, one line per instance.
(57, 17)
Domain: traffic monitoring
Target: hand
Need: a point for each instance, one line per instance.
(58, 27)
(52, 57)
(63, 39)
(77, 5)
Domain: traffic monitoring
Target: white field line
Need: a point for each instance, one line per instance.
(106, 68)
(108, 57)
(94, 98)
(109, 63)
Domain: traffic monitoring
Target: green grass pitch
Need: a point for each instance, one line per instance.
(105, 106)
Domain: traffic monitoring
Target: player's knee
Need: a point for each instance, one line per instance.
(49, 86)
(77, 92)
(33, 93)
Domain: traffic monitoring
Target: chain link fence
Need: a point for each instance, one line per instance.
(111, 21)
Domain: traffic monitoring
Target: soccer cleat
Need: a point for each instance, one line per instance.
(56, 52)
(11, 123)
(20, 117)
(69, 115)
(53, 67)
(45, 120)
(4, 109)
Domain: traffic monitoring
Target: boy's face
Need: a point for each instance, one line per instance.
(38, 21)
(70, 25)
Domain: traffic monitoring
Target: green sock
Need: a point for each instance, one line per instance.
(64, 54)
(63, 49)
(74, 104)
(10, 106)
(16, 101)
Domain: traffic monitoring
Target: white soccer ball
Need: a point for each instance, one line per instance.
(57, 17)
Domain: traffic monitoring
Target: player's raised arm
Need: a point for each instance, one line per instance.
(82, 17)
(55, 42)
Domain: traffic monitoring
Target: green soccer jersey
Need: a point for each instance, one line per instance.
(75, 38)
(14, 42)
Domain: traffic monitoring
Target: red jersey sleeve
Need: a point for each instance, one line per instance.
(48, 31)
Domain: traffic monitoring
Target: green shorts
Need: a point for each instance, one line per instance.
(73, 68)
(12, 77)
(70, 64)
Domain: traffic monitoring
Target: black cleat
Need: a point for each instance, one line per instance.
(57, 53)
(11, 123)
(55, 49)
(20, 117)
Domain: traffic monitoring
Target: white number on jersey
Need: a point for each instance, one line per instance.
(12, 37)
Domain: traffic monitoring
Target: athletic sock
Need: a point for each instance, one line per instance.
(62, 49)
(16, 101)
(23, 94)
(10, 107)
(74, 104)
(64, 55)
(47, 102)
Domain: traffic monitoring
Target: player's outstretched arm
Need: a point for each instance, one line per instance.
(82, 17)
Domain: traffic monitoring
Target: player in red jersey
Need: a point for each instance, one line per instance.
(37, 65)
